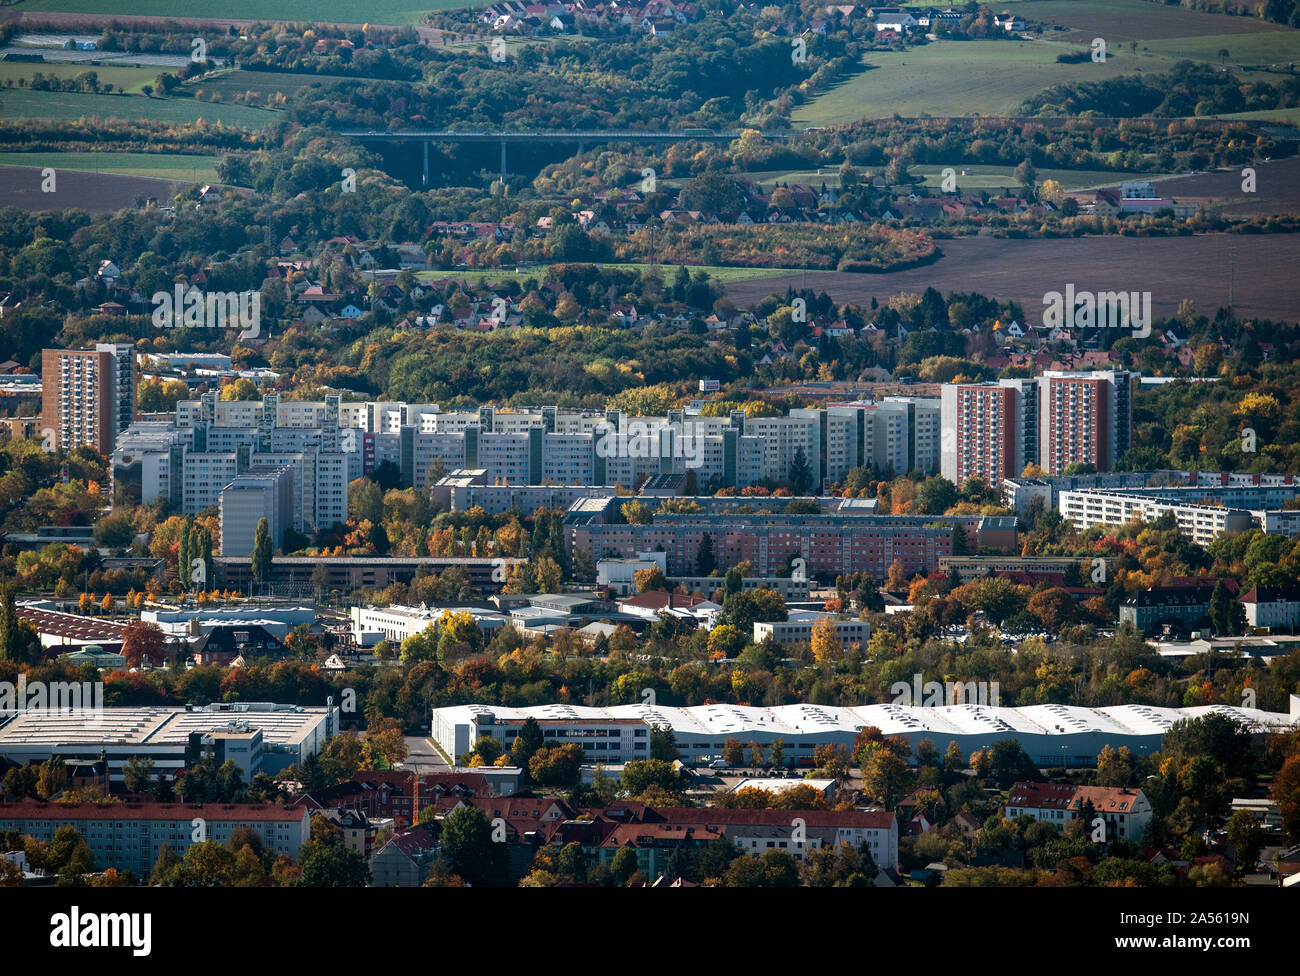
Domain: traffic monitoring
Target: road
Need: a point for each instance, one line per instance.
(422, 757)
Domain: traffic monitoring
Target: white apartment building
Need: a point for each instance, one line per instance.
(1201, 523)
(204, 475)
(1275, 607)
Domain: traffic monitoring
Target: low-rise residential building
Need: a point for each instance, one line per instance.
(1272, 606)
(1126, 811)
(1185, 608)
(129, 835)
(404, 862)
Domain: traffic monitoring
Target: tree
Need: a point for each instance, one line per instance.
(733, 753)
(68, 854)
(556, 765)
(827, 648)
(935, 495)
(53, 778)
(801, 474)
(527, 742)
(640, 775)
(885, 777)
(743, 610)
(774, 869)
(468, 844)
(1286, 794)
(636, 513)
(1227, 615)
(333, 866)
(1054, 608)
(320, 580)
(18, 641)
(166, 862)
(141, 641)
(137, 774)
(726, 641)
(1247, 836)
(704, 558)
(648, 579)
(663, 743)
(261, 558)
(624, 865)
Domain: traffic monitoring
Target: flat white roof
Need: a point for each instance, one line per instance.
(949, 720)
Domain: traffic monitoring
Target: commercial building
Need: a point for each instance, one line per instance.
(257, 736)
(1052, 735)
(394, 624)
(88, 395)
(293, 576)
(798, 629)
(128, 836)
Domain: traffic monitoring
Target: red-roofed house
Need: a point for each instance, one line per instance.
(1126, 811)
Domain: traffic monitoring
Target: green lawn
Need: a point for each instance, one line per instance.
(959, 78)
(976, 178)
(323, 11)
(175, 166)
(15, 103)
(122, 78)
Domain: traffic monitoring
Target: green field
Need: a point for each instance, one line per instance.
(976, 178)
(322, 11)
(128, 79)
(231, 82)
(26, 104)
(1274, 48)
(1165, 31)
(173, 166)
(957, 78)
(1287, 116)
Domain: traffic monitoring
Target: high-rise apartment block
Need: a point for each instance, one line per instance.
(993, 430)
(88, 395)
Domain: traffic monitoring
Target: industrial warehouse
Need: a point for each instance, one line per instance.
(1052, 735)
(259, 737)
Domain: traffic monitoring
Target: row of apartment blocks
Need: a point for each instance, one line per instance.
(530, 446)
(988, 430)
(294, 476)
(994, 430)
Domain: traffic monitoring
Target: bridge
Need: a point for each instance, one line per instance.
(579, 136)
